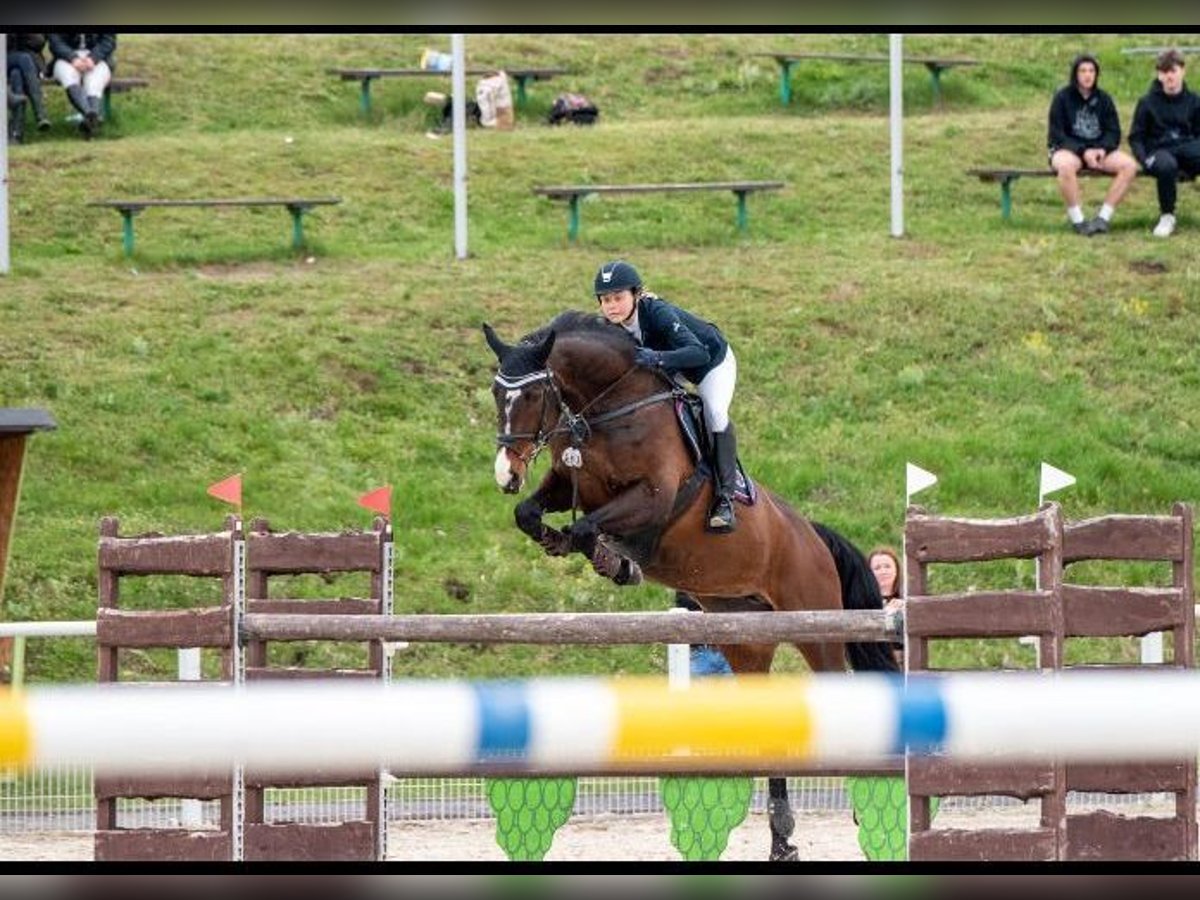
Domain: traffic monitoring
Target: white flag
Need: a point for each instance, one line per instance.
(1053, 480)
(917, 479)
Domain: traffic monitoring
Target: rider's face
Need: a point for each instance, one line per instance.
(617, 306)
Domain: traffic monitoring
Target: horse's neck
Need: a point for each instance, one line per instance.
(584, 381)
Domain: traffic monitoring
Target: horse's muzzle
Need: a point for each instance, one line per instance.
(509, 475)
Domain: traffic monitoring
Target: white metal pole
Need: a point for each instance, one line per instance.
(897, 123)
(459, 88)
(4, 258)
(191, 812)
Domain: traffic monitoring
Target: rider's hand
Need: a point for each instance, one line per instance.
(651, 359)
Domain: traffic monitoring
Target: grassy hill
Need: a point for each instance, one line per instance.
(973, 347)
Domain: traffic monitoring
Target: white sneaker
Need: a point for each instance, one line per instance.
(1165, 226)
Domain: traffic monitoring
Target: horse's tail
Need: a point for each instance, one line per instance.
(860, 590)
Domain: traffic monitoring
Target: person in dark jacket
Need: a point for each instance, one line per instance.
(1085, 133)
(83, 65)
(1165, 135)
(24, 69)
(678, 342)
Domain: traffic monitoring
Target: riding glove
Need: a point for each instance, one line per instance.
(651, 359)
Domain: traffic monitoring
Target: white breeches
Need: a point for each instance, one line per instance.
(717, 391)
(94, 82)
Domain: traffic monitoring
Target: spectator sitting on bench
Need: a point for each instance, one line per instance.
(24, 67)
(83, 64)
(1165, 135)
(1085, 133)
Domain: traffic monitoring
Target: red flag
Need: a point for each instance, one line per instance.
(379, 500)
(229, 490)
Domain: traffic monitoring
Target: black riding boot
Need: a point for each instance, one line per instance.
(94, 115)
(721, 517)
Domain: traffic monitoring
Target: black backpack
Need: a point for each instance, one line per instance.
(574, 108)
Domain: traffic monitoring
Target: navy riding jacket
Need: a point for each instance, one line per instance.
(689, 345)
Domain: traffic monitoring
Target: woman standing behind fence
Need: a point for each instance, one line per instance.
(83, 64)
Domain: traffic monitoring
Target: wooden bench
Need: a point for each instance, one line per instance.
(366, 76)
(115, 86)
(936, 65)
(573, 194)
(297, 206)
(1157, 50)
(1006, 176)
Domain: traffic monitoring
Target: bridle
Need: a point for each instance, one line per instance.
(569, 422)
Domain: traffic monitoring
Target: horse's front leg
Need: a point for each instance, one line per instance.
(552, 495)
(640, 508)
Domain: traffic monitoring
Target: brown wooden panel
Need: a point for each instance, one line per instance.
(943, 539)
(1129, 778)
(936, 776)
(344, 606)
(295, 841)
(982, 845)
(208, 786)
(293, 552)
(1124, 537)
(1102, 835)
(12, 457)
(270, 673)
(206, 627)
(982, 614)
(1112, 612)
(163, 845)
(185, 554)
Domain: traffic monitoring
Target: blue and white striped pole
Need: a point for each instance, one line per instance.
(584, 724)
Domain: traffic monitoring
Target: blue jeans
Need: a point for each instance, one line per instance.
(708, 660)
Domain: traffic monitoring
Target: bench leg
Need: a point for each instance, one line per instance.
(785, 81)
(364, 98)
(521, 96)
(741, 211)
(1006, 198)
(107, 105)
(573, 219)
(297, 226)
(935, 75)
(127, 230)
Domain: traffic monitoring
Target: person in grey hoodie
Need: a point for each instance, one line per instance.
(1165, 135)
(1085, 133)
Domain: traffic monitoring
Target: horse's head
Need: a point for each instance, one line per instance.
(527, 405)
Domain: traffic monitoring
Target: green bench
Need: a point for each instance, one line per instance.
(1006, 176)
(935, 64)
(366, 76)
(573, 193)
(297, 206)
(115, 86)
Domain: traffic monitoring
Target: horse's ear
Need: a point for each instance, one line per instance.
(543, 351)
(498, 346)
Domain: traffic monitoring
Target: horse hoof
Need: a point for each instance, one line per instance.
(555, 543)
(784, 853)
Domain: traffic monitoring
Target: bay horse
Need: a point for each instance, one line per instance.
(619, 458)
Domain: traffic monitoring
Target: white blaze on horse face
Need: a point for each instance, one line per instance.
(504, 472)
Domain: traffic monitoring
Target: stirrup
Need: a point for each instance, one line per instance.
(718, 522)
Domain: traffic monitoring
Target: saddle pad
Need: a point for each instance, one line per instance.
(689, 416)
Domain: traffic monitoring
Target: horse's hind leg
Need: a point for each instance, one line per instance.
(783, 822)
(757, 658)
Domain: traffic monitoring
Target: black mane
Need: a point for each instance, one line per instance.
(593, 326)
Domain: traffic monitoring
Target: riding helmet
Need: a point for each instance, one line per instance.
(617, 276)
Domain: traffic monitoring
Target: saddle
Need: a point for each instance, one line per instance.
(689, 412)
